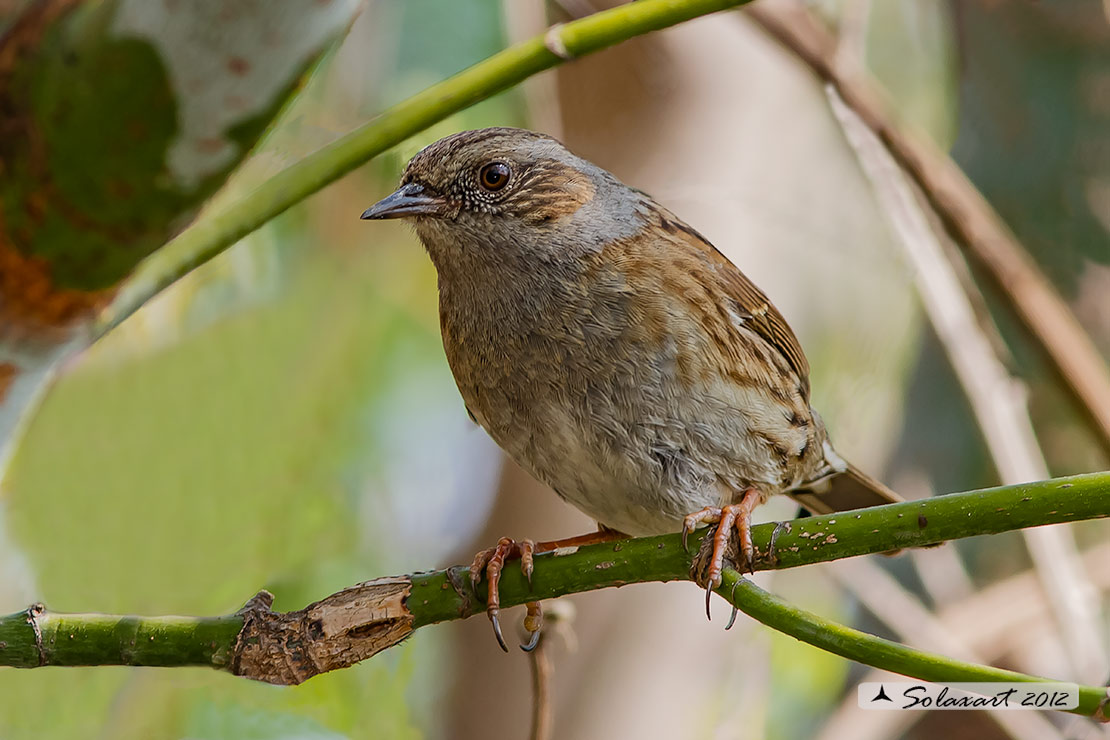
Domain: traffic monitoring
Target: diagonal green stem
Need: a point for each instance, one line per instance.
(875, 651)
(218, 231)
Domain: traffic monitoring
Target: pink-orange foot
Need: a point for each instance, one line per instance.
(492, 562)
(736, 516)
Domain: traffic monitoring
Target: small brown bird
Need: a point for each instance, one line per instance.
(611, 350)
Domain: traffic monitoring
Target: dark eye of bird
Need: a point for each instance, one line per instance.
(494, 175)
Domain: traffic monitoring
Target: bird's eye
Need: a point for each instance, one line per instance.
(494, 176)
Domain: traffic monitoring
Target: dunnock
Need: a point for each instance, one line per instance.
(611, 350)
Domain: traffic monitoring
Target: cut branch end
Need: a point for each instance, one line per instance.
(347, 627)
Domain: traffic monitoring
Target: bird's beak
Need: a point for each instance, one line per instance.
(411, 199)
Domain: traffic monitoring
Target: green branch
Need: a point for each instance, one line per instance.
(875, 651)
(359, 621)
(37, 637)
(216, 232)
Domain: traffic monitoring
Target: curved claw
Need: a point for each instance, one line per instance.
(732, 617)
(533, 640)
(478, 566)
(708, 595)
(691, 521)
(533, 623)
(497, 630)
(491, 562)
(772, 554)
(527, 552)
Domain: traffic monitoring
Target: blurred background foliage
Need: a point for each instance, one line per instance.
(284, 417)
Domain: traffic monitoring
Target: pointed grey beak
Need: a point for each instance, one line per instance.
(412, 199)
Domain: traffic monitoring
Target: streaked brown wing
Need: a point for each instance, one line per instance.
(759, 314)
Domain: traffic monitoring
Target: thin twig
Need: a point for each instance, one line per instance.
(966, 215)
(944, 574)
(542, 719)
(890, 156)
(996, 398)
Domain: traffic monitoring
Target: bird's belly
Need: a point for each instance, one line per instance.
(634, 449)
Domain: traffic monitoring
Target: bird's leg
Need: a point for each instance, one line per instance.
(736, 516)
(603, 534)
(492, 561)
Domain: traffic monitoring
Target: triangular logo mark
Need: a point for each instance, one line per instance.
(881, 696)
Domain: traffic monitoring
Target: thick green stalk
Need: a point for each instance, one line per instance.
(218, 231)
(799, 542)
(36, 637)
(369, 617)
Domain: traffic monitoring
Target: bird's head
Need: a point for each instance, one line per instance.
(508, 192)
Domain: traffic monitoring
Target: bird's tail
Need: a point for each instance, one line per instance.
(852, 489)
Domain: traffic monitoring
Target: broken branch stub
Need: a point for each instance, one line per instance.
(287, 648)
